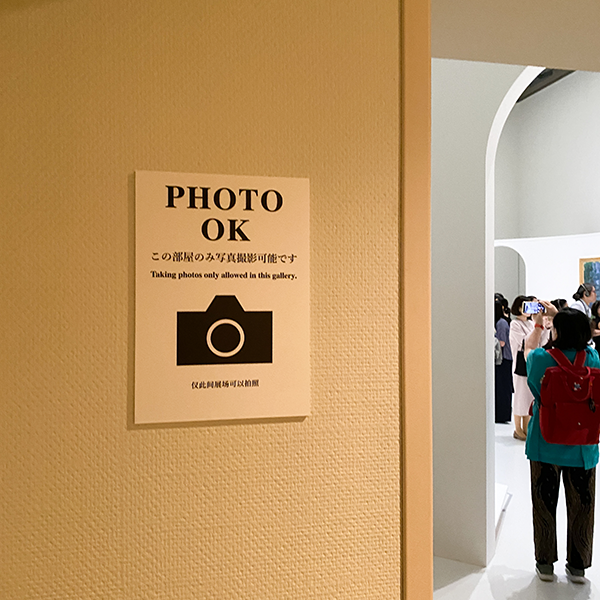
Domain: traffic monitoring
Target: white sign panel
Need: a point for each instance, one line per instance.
(222, 297)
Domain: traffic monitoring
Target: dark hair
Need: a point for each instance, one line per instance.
(505, 309)
(584, 288)
(559, 303)
(573, 330)
(517, 304)
(595, 307)
(498, 311)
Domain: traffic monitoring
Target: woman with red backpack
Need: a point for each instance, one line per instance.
(576, 462)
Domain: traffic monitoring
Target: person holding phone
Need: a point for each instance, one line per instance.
(520, 327)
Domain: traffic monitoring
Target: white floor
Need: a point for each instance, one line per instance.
(511, 573)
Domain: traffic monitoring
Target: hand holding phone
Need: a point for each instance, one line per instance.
(532, 308)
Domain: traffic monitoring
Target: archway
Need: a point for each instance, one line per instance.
(509, 272)
(467, 119)
(512, 260)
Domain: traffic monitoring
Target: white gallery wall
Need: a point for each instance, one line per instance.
(548, 186)
(552, 263)
(509, 272)
(548, 162)
(465, 99)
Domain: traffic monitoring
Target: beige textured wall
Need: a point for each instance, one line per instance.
(90, 508)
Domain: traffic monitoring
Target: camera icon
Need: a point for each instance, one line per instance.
(224, 334)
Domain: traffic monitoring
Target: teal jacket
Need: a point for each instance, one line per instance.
(536, 447)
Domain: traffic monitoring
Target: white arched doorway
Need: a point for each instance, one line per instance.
(509, 272)
(470, 104)
(514, 262)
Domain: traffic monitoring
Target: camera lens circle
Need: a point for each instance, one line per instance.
(211, 330)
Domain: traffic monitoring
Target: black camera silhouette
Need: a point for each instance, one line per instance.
(224, 334)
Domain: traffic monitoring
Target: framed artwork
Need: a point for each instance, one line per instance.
(589, 271)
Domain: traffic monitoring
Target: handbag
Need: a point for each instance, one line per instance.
(497, 352)
(569, 399)
(520, 363)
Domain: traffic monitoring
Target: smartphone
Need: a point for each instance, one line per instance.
(532, 308)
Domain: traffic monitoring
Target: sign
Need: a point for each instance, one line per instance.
(222, 297)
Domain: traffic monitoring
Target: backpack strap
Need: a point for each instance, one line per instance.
(559, 357)
(565, 363)
(579, 359)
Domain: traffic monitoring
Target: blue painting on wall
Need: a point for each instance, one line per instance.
(589, 271)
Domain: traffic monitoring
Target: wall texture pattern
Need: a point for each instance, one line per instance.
(91, 507)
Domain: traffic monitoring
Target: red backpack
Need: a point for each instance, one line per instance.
(570, 401)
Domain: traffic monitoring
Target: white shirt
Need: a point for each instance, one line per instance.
(581, 306)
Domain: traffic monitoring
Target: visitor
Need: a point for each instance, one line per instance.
(577, 464)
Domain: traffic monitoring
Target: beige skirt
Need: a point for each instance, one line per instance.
(523, 397)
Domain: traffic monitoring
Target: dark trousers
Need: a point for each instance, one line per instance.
(580, 492)
(504, 391)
